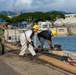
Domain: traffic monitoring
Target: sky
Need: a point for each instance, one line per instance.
(38, 5)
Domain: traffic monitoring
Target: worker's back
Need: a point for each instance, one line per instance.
(44, 34)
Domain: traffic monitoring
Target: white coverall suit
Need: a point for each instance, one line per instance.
(23, 40)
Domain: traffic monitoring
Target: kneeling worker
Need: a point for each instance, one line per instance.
(26, 41)
(46, 35)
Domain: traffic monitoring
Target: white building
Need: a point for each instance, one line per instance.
(69, 19)
(44, 25)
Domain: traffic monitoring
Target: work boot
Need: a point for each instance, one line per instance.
(25, 55)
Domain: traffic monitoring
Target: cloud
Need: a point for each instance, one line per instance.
(18, 4)
(38, 5)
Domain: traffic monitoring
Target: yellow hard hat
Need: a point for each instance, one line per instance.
(36, 27)
(54, 32)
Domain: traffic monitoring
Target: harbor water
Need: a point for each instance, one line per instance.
(67, 43)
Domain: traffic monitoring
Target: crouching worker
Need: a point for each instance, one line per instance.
(46, 35)
(26, 40)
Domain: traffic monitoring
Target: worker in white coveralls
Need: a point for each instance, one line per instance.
(26, 40)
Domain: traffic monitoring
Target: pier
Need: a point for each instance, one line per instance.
(52, 58)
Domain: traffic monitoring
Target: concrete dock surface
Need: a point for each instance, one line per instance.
(6, 69)
(27, 65)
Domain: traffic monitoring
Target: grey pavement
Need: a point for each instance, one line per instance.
(6, 70)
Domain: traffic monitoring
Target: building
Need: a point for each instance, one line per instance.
(44, 25)
(70, 19)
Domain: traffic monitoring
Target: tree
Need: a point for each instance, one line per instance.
(5, 18)
(38, 16)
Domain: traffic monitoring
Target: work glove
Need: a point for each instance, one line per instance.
(52, 47)
(27, 43)
(32, 43)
